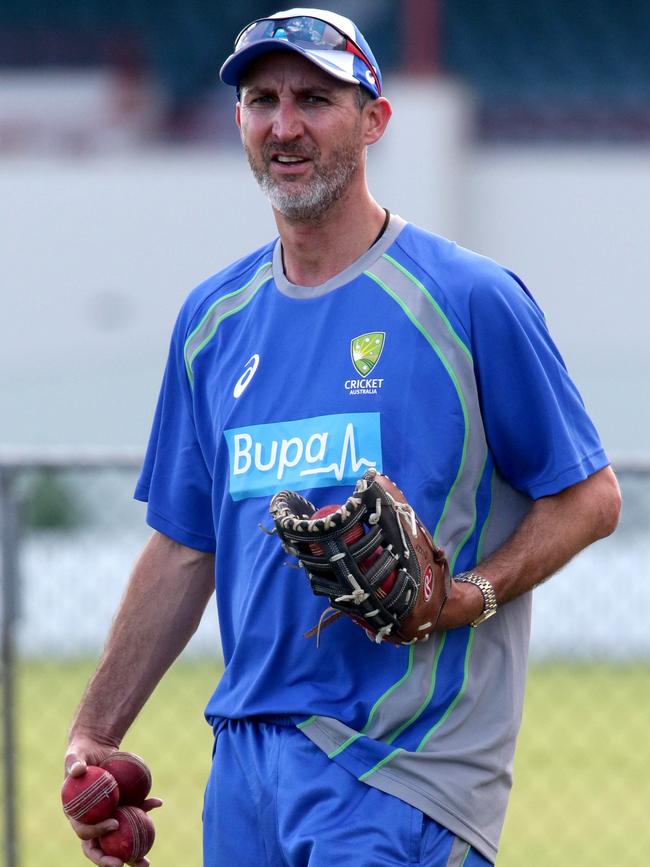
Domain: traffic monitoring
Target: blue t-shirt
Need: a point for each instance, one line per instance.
(434, 365)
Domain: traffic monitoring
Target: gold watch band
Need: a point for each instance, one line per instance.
(486, 588)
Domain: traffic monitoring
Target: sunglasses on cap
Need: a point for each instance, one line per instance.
(310, 34)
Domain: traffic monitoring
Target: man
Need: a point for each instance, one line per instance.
(354, 340)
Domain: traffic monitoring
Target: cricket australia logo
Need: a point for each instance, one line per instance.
(366, 351)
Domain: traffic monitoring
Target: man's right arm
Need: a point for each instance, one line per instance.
(162, 607)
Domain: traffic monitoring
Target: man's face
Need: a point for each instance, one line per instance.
(303, 134)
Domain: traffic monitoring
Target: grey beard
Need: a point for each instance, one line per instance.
(308, 203)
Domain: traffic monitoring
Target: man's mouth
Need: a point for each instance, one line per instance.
(286, 159)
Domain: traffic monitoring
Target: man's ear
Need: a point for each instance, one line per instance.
(238, 115)
(376, 116)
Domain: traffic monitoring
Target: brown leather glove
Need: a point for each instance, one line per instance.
(371, 557)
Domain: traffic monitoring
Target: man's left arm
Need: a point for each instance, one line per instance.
(555, 529)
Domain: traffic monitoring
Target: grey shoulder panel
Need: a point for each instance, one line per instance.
(223, 307)
(458, 519)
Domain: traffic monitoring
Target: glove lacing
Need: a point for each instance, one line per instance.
(403, 510)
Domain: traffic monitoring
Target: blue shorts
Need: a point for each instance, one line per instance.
(274, 799)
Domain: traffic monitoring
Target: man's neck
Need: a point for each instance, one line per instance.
(315, 251)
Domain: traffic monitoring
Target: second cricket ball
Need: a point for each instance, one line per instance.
(133, 837)
(132, 775)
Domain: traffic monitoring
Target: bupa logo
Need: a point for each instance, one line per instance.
(307, 453)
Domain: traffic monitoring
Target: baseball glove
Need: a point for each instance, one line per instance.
(371, 557)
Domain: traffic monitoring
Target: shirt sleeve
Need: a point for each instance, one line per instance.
(537, 427)
(175, 481)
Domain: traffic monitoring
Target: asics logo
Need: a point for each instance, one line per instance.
(249, 372)
(307, 453)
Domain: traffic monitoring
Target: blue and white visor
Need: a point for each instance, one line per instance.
(331, 41)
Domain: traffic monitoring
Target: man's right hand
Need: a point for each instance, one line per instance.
(166, 596)
(83, 751)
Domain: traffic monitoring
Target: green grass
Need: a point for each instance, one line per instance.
(582, 770)
(171, 734)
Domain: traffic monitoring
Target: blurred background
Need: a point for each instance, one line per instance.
(520, 130)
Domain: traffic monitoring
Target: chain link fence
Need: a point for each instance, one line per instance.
(70, 533)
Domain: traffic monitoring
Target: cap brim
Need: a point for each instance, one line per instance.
(236, 65)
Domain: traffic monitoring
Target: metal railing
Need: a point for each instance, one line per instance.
(15, 463)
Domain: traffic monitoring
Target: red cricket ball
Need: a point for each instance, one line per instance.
(90, 798)
(133, 837)
(132, 775)
(353, 535)
(388, 582)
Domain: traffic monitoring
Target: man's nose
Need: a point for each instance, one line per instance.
(287, 122)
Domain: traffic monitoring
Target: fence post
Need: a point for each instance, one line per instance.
(8, 613)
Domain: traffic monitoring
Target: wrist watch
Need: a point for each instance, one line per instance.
(486, 588)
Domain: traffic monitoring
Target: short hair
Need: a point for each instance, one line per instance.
(364, 97)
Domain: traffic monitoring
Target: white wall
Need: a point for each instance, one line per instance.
(84, 241)
(98, 252)
(575, 224)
